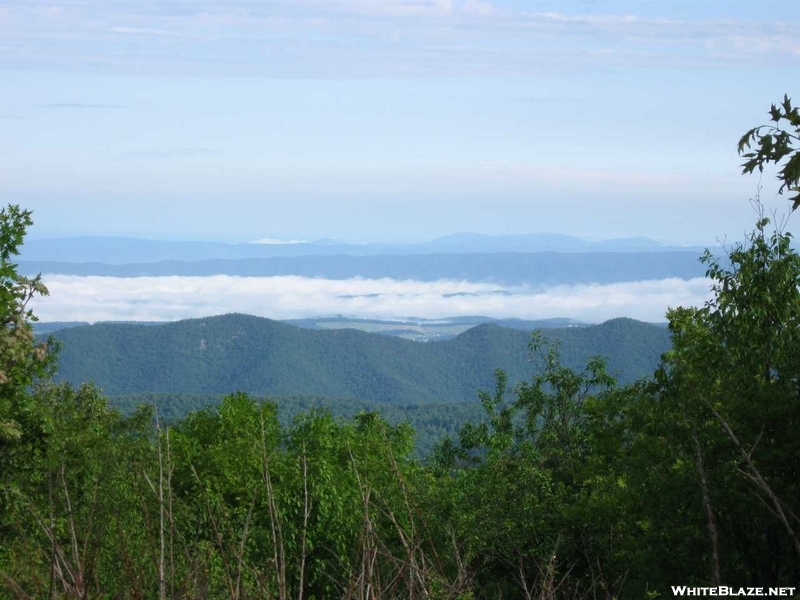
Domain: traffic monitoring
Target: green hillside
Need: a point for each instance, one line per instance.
(223, 354)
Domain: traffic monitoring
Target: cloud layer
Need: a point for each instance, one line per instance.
(365, 37)
(172, 298)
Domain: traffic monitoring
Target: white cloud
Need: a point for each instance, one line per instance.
(141, 31)
(277, 242)
(396, 7)
(738, 46)
(605, 21)
(171, 298)
(368, 37)
(185, 152)
(479, 8)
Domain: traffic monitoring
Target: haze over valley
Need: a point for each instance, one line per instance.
(524, 277)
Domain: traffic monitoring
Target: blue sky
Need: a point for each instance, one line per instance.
(396, 120)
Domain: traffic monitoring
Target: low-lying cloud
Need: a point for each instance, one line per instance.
(94, 299)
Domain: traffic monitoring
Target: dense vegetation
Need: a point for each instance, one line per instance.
(569, 486)
(430, 422)
(264, 357)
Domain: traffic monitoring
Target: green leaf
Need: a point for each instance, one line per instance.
(745, 140)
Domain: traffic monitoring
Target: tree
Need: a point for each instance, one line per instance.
(22, 359)
(775, 143)
(733, 373)
(533, 512)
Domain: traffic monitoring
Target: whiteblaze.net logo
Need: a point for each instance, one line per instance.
(724, 590)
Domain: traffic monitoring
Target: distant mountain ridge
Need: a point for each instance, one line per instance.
(540, 268)
(539, 242)
(411, 328)
(122, 250)
(429, 329)
(260, 356)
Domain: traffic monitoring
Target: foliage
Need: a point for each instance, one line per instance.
(23, 362)
(521, 479)
(22, 359)
(777, 144)
(733, 379)
(266, 358)
(430, 422)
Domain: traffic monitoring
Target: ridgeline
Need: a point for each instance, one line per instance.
(264, 357)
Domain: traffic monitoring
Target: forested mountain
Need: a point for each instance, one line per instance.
(261, 356)
(415, 328)
(43, 328)
(541, 268)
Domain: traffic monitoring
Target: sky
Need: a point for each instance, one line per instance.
(398, 120)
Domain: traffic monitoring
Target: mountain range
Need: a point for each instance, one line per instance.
(413, 328)
(540, 268)
(122, 250)
(244, 353)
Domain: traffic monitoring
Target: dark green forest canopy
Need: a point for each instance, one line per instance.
(430, 422)
(260, 356)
